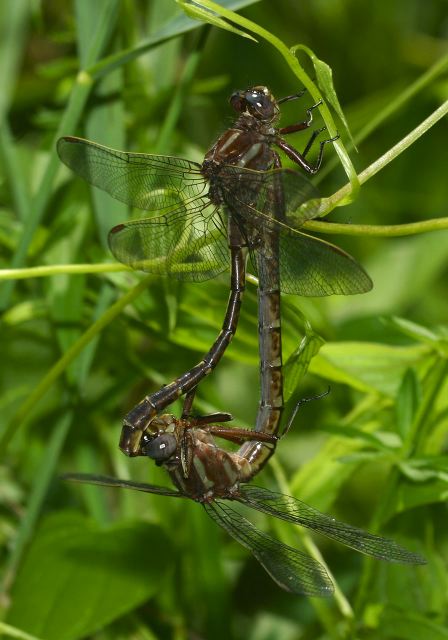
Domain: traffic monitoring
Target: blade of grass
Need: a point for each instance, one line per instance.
(182, 86)
(175, 27)
(13, 22)
(310, 546)
(8, 631)
(68, 122)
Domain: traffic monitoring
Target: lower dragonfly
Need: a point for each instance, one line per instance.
(205, 209)
(215, 477)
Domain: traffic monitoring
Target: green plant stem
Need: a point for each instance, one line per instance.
(376, 230)
(68, 122)
(341, 600)
(176, 104)
(61, 365)
(57, 269)
(438, 68)
(13, 632)
(328, 204)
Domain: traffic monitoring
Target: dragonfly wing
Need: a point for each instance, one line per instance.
(254, 193)
(293, 510)
(149, 182)
(106, 481)
(276, 201)
(313, 267)
(188, 244)
(291, 569)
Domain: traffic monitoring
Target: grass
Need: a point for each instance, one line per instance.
(83, 339)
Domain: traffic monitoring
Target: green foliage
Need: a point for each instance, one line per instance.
(81, 343)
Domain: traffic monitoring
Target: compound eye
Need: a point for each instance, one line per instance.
(260, 104)
(238, 102)
(160, 448)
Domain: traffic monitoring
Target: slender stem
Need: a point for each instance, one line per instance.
(341, 600)
(7, 631)
(328, 204)
(376, 230)
(57, 269)
(77, 101)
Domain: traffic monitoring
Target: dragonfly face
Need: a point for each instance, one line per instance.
(257, 102)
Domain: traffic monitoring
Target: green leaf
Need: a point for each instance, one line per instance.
(297, 364)
(411, 494)
(78, 577)
(324, 76)
(381, 440)
(408, 400)
(413, 330)
(7, 631)
(199, 13)
(426, 468)
(409, 625)
(368, 367)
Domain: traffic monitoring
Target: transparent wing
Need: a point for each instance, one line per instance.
(149, 182)
(106, 481)
(188, 244)
(275, 202)
(291, 569)
(293, 510)
(313, 267)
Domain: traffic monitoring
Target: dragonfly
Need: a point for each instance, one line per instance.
(230, 201)
(218, 479)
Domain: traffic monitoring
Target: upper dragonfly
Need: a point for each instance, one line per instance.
(227, 202)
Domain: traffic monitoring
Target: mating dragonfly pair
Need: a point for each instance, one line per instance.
(239, 201)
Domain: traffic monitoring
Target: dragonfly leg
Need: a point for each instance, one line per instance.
(294, 96)
(297, 407)
(300, 126)
(239, 435)
(197, 421)
(321, 151)
(188, 403)
(311, 140)
(299, 158)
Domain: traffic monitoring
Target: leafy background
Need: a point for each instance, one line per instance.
(82, 561)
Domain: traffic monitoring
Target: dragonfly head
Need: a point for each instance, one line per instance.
(161, 448)
(257, 102)
(159, 442)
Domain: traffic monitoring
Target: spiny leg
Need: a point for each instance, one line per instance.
(297, 407)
